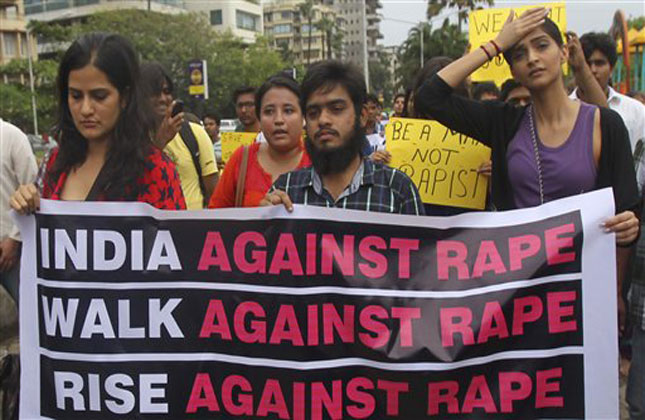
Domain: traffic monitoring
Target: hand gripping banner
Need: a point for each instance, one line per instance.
(131, 312)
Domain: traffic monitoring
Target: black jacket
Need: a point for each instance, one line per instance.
(495, 124)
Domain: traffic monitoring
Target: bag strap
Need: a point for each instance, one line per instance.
(188, 137)
(241, 178)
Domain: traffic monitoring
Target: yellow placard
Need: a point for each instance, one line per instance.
(231, 141)
(442, 163)
(485, 24)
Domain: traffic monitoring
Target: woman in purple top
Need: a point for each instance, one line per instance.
(553, 148)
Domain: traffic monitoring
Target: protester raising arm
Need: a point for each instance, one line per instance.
(587, 84)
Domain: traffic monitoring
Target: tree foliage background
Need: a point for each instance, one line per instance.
(446, 40)
(172, 40)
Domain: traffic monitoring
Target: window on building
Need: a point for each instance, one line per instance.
(216, 17)
(10, 44)
(268, 17)
(286, 15)
(23, 45)
(246, 20)
(11, 12)
(282, 29)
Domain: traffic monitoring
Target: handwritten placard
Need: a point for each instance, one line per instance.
(231, 141)
(485, 24)
(442, 163)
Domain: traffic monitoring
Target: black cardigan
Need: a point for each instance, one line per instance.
(495, 124)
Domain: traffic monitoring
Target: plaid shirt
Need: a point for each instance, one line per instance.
(374, 187)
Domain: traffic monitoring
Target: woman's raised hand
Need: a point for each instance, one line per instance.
(26, 199)
(517, 28)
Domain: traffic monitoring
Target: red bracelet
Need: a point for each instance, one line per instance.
(499, 50)
(486, 52)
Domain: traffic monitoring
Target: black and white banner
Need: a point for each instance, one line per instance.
(131, 312)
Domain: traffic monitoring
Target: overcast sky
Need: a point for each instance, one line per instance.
(582, 15)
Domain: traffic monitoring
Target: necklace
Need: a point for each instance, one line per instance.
(538, 161)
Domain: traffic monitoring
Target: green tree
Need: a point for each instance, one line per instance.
(327, 26)
(435, 7)
(175, 40)
(307, 11)
(447, 40)
(16, 95)
(637, 23)
(381, 78)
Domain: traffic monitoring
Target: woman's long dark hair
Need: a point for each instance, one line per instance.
(130, 140)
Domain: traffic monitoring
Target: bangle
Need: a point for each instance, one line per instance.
(486, 52)
(499, 51)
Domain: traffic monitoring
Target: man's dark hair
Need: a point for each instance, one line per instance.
(397, 96)
(327, 75)
(153, 75)
(593, 41)
(370, 97)
(482, 88)
(281, 80)
(507, 87)
(242, 90)
(550, 28)
(213, 116)
(431, 68)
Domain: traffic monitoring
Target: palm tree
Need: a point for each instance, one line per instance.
(307, 12)
(463, 6)
(327, 27)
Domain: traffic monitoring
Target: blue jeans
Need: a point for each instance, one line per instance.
(9, 279)
(636, 381)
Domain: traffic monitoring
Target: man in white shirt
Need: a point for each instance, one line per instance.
(600, 53)
(17, 167)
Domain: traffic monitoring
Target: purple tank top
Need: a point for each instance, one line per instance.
(566, 170)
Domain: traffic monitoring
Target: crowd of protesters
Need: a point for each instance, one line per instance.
(123, 137)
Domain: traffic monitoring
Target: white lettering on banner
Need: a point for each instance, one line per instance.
(98, 321)
(164, 252)
(70, 385)
(57, 316)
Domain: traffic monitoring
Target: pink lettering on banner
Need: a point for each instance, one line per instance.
(405, 248)
(244, 404)
(258, 328)
(286, 327)
(312, 325)
(543, 387)
(452, 254)
(272, 400)
(513, 386)
(321, 400)
(286, 256)
(378, 334)
(378, 266)
(406, 315)
(555, 244)
(493, 314)
(488, 259)
(331, 253)
(557, 311)
(478, 396)
(444, 392)
(202, 394)
(258, 257)
(393, 391)
(215, 321)
(526, 309)
(522, 247)
(365, 404)
(220, 259)
(332, 322)
(456, 321)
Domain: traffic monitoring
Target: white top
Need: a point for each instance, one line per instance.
(17, 167)
(632, 112)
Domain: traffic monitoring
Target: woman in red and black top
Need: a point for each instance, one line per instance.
(104, 152)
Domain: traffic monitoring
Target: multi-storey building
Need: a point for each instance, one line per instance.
(306, 39)
(13, 32)
(242, 18)
(72, 10)
(361, 28)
